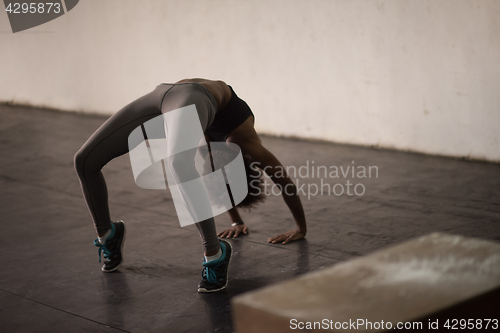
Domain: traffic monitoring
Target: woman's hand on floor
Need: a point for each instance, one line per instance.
(234, 231)
(287, 237)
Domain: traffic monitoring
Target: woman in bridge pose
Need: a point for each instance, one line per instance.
(223, 117)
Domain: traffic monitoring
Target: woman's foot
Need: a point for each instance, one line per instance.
(112, 248)
(215, 272)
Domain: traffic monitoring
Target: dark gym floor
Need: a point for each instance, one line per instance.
(50, 278)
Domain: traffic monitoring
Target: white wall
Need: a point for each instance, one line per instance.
(420, 75)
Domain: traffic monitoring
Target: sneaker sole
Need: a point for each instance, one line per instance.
(121, 250)
(203, 290)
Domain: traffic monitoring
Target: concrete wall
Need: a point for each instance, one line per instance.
(420, 75)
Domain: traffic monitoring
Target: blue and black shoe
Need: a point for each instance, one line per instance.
(215, 272)
(112, 249)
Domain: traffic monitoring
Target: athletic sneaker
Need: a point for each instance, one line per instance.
(113, 247)
(214, 274)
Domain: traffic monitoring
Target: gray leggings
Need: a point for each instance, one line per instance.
(111, 140)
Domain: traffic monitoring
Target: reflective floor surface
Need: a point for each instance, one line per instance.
(50, 277)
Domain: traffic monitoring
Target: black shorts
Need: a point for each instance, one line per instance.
(229, 118)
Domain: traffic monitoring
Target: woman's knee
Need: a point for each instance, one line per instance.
(183, 167)
(79, 161)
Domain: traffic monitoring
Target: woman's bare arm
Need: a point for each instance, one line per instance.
(249, 142)
(272, 166)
